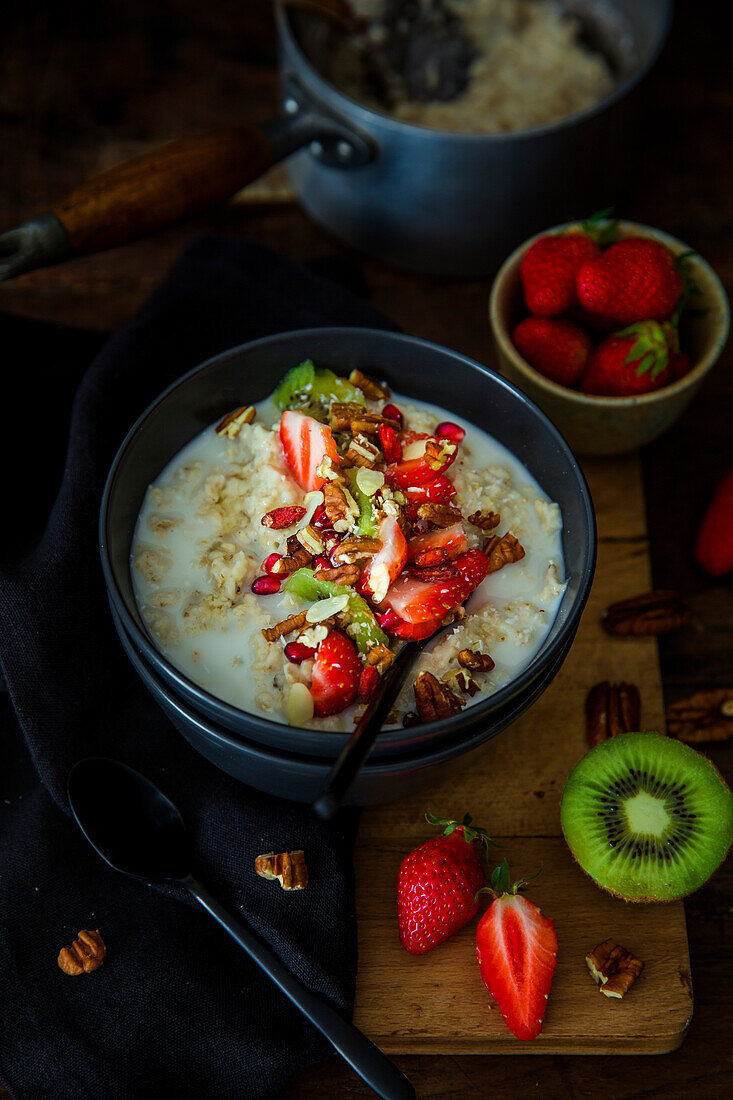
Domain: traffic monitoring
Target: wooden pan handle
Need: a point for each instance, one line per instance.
(156, 189)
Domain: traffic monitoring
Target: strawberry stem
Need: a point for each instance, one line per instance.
(600, 226)
(500, 881)
(470, 832)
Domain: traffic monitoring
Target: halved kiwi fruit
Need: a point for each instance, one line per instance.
(648, 818)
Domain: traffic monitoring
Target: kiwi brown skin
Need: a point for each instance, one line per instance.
(722, 792)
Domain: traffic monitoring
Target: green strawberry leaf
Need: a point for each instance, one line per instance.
(470, 832)
(650, 347)
(601, 226)
(499, 883)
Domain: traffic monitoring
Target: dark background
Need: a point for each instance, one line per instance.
(84, 85)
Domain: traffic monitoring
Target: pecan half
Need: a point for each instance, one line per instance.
(310, 539)
(381, 657)
(335, 504)
(361, 452)
(477, 662)
(291, 562)
(350, 416)
(614, 968)
(434, 699)
(233, 422)
(502, 551)
(340, 574)
(656, 612)
(464, 682)
(611, 709)
(87, 953)
(355, 549)
(287, 867)
(372, 389)
(285, 626)
(441, 515)
(705, 716)
(487, 521)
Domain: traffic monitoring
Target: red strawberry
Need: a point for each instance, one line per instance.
(679, 366)
(368, 683)
(633, 361)
(417, 601)
(557, 349)
(549, 269)
(438, 491)
(452, 539)
(420, 471)
(714, 542)
(387, 563)
(437, 885)
(413, 632)
(305, 444)
(336, 673)
(516, 947)
(634, 280)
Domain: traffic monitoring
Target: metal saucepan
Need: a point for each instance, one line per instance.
(448, 203)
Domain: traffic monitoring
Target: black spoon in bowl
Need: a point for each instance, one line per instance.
(138, 831)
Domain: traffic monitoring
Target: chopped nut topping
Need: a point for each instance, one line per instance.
(442, 515)
(292, 561)
(369, 481)
(705, 716)
(361, 452)
(477, 662)
(314, 635)
(340, 574)
(287, 867)
(614, 968)
(286, 626)
(434, 699)
(324, 609)
(233, 422)
(611, 709)
(350, 416)
(381, 657)
(372, 389)
(87, 953)
(466, 683)
(311, 539)
(335, 503)
(657, 612)
(355, 549)
(436, 452)
(487, 521)
(502, 551)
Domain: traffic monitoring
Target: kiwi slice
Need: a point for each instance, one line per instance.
(648, 818)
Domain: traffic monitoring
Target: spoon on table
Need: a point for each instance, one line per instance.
(138, 831)
(354, 753)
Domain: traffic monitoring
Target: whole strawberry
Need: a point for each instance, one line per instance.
(557, 349)
(630, 362)
(634, 280)
(516, 948)
(714, 543)
(549, 271)
(438, 883)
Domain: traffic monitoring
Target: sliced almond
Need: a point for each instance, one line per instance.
(324, 609)
(311, 502)
(379, 581)
(414, 450)
(299, 705)
(369, 481)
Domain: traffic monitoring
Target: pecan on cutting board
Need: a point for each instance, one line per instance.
(611, 709)
(704, 716)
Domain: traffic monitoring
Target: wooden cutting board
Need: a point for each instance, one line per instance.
(437, 1003)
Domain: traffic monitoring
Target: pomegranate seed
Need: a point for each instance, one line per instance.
(449, 430)
(265, 586)
(393, 413)
(269, 563)
(320, 519)
(368, 683)
(361, 587)
(297, 652)
(283, 517)
(321, 563)
(391, 446)
(389, 620)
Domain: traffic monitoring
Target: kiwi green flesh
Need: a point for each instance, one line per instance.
(647, 817)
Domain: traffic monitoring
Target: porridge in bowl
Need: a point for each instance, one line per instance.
(284, 555)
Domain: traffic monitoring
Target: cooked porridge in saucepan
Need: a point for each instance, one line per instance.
(530, 67)
(281, 557)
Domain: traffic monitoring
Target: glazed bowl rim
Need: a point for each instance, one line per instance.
(694, 376)
(471, 714)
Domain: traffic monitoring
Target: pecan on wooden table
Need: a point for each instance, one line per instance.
(704, 716)
(657, 612)
(611, 709)
(614, 968)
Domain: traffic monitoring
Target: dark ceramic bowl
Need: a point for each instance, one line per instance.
(417, 368)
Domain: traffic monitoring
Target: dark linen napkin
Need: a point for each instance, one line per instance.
(177, 1010)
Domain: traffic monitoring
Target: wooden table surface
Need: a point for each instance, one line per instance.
(83, 86)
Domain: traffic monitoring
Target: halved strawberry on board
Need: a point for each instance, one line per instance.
(516, 947)
(387, 563)
(336, 674)
(305, 443)
(417, 601)
(451, 539)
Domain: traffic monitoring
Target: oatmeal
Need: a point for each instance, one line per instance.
(530, 68)
(282, 568)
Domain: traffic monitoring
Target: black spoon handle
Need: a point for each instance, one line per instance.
(362, 1055)
(360, 744)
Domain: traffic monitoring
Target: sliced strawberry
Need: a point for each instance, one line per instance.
(387, 563)
(452, 539)
(438, 491)
(416, 601)
(336, 674)
(418, 471)
(305, 444)
(415, 632)
(516, 947)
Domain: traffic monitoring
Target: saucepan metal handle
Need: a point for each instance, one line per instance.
(157, 189)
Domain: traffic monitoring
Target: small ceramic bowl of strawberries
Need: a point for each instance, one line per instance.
(610, 327)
